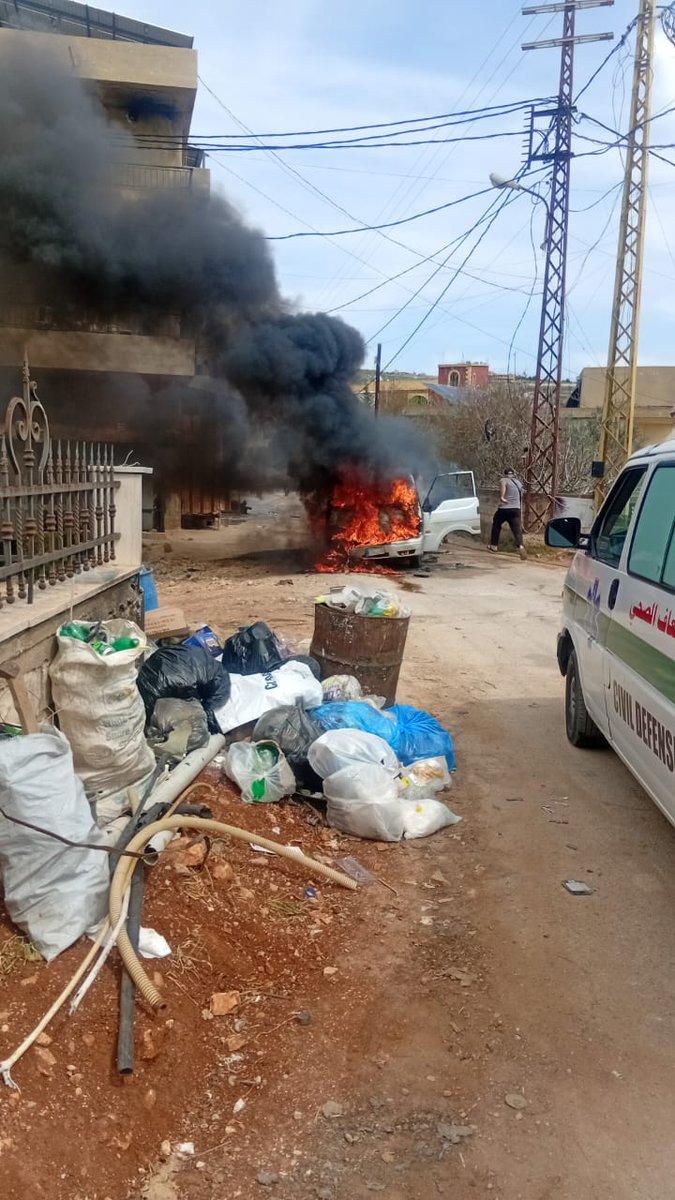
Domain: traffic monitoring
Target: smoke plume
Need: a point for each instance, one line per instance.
(65, 230)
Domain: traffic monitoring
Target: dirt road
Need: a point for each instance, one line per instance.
(463, 1027)
(494, 982)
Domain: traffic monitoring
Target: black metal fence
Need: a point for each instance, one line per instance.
(57, 502)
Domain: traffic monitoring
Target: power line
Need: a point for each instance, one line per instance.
(387, 225)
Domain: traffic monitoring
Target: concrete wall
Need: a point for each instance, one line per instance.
(107, 352)
(654, 401)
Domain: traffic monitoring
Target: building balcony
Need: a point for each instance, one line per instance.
(65, 339)
(138, 177)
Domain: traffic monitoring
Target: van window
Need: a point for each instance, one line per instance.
(610, 534)
(455, 485)
(652, 553)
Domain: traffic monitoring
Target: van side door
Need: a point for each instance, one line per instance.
(451, 506)
(641, 644)
(592, 585)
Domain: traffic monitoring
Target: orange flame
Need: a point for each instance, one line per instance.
(365, 512)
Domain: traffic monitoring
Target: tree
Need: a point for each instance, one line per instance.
(490, 430)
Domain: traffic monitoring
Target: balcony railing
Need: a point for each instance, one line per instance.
(57, 502)
(139, 176)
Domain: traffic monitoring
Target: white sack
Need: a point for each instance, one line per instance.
(338, 748)
(52, 892)
(424, 817)
(253, 695)
(261, 781)
(100, 710)
(363, 801)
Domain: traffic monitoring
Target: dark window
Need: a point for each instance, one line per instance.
(610, 533)
(652, 553)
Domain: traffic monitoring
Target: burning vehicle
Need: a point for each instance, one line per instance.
(368, 521)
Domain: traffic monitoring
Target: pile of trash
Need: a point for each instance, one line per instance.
(84, 803)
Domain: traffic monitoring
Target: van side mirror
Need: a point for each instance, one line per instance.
(563, 533)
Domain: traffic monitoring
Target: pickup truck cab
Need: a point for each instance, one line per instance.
(451, 506)
(616, 647)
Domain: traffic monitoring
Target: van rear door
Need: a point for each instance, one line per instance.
(451, 506)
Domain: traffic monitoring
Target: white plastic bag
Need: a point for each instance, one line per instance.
(424, 817)
(341, 687)
(260, 770)
(338, 748)
(363, 801)
(100, 710)
(52, 892)
(253, 695)
(424, 777)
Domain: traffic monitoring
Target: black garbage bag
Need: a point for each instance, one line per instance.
(185, 717)
(184, 673)
(293, 730)
(254, 650)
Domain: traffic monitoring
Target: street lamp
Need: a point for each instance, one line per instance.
(502, 183)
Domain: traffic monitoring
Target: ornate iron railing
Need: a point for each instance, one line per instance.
(57, 502)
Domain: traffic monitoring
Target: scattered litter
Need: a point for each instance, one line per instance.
(238, 1107)
(267, 1178)
(353, 868)
(515, 1100)
(185, 1148)
(311, 893)
(426, 920)
(328, 971)
(151, 944)
(463, 977)
(303, 1018)
(330, 1110)
(455, 1133)
(576, 887)
(208, 639)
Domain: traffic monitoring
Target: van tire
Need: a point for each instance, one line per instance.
(581, 728)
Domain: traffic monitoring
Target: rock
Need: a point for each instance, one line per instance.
(158, 979)
(223, 872)
(183, 852)
(43, 1039)
(246, 894)
(463, 977)
(45, 1056)
(150, 1047)
(187, 1149)
(515, 1100)
(222, 1003)
(238, 1107)
(330, 971)
(304, 1017)
(267, 1178)
(150, 1099)
(235, 1042)
(89, 1039)
(331, 1109)
(388, 1156)
(455, 1133)
(325, 1193)
(30, 979)
(439, 877)
(165, 1150)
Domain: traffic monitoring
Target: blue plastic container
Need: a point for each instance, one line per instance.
(150, 598)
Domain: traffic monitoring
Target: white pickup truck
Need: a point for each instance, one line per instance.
(451, 506)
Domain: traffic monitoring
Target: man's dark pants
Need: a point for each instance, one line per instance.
(510, 516)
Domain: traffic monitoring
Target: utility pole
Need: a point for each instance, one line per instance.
(541, 476)
(618, 413)
(378, 377)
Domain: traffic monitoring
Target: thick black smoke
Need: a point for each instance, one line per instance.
(171, 250)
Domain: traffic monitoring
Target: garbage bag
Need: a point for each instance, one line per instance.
(292, 728)
(100, 710)
(54, 893)
(411, 732)
(421, 818)
(419, 735)
(338, 748)
(253, 695)
(341, 687)
(260, 770)
(363, 801)
(184, 673)
(424, 777)
(252, 651)
(181, 717)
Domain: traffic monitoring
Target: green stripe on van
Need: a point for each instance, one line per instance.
(657, 668)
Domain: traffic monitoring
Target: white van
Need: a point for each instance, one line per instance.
(617, 643)
(451, 506)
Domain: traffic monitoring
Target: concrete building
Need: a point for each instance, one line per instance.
(654, 402)
(99, 375)
(464, 374)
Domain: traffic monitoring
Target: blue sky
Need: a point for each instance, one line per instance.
(302, 64)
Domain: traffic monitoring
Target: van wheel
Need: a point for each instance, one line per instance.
(581, 729)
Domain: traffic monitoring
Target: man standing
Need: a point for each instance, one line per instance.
(510, 504)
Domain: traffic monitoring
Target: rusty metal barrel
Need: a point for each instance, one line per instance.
(371, 648)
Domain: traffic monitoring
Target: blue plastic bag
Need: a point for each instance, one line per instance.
(207, 639)
(411, 732)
